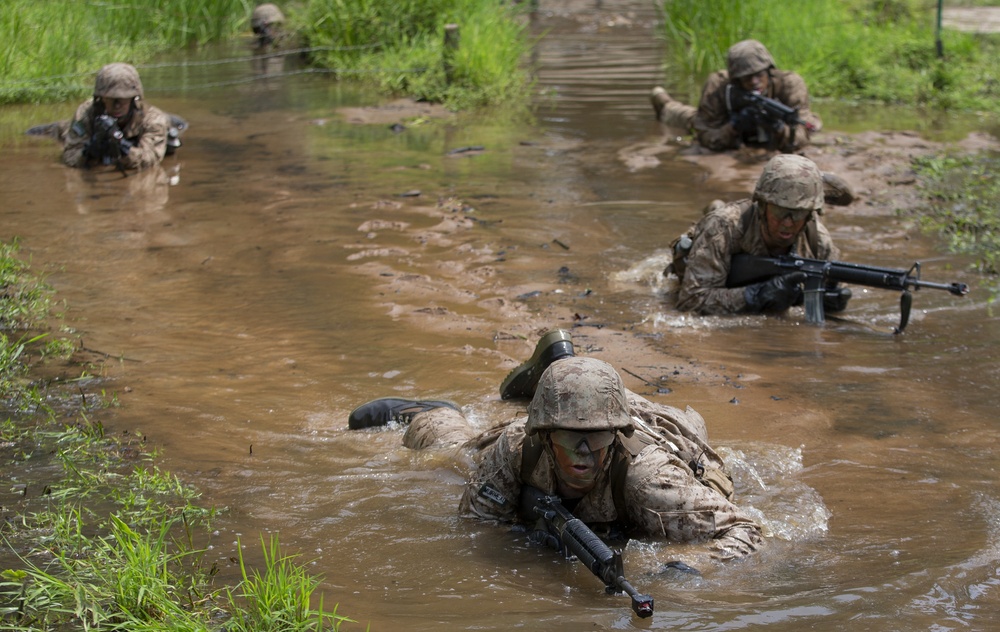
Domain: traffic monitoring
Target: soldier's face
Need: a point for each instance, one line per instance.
(782, 225)
(116, 107)
(756, 82)
(580, 456)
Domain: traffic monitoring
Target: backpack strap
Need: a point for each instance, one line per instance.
(531, 451)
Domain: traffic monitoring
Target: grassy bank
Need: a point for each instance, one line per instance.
(95, 536)
(861, 50)
(401, 47)
(52, 49)
(961, 193)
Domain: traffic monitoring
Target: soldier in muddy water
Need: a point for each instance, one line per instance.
(622, 464)
(723, 120)
(780, 218)
(116, 127)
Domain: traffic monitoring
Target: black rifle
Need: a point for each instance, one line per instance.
(108, 143)
(745, 269)
(566, 533)
(770, 110)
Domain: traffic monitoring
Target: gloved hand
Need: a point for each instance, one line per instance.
(835, 298)
(125, 145)
(776, 294)
(745, 121)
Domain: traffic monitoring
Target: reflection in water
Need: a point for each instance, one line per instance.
(285, 279)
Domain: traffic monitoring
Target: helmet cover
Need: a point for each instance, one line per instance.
(579, 394)
(791, 181)
(118, 81)
(747, 58)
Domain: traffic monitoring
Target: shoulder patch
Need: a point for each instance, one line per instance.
(78, 128)
(491, 493)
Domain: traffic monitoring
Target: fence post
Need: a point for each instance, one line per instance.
(451, 37)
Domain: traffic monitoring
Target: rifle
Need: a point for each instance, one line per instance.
(772, 110)
(745, 269)
(108, 143)
(568, 534)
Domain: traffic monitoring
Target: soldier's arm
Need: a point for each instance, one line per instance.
(703, 289)
(665, 500)
(494, 491)
(77, 137)
(791, 90)
(712, 122)
(152, 145)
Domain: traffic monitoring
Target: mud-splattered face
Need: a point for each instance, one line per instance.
(783, 225)
(756, 82)
(580, 456)
(117, 108)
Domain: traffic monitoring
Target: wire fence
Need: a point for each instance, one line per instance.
(252, 59)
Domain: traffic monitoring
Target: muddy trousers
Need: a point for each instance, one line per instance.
(676, 114)
(438, 428)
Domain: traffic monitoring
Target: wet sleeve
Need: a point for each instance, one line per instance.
(77, 136)
(703, 289)
(793, 92)
(665, 500)
(495, 488)
(152, 145)
(711, 123)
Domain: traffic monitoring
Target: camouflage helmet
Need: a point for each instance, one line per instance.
(579, 394)
(266, 14)
(118, 81)
(747, 58)
(790, 181)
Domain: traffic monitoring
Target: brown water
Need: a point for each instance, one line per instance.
(282, 280)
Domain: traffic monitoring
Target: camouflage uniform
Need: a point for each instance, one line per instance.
(267, 21)
(788, 181)
(146, 126)
(710, 121)
(662, 494)
(733, 229)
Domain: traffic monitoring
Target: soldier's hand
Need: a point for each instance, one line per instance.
(125, 145)
(835, 299)
(776, 294)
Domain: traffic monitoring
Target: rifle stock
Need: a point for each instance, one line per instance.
(569, 534)
(746, 268)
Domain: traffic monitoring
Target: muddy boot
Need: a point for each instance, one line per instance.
(380, 412)
(836, 191)
(521, 382)
(659, 98)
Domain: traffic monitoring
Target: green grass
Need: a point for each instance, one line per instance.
(880, 51)
(51, 49)
(962, 193)
(400, 47)
(101, 539)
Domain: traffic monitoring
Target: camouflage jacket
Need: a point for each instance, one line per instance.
(147, 130)
(711, 122)
(730, 230)
(662, 495)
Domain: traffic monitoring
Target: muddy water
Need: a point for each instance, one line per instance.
(281, 270)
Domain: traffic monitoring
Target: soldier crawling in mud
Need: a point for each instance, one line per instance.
(620, 463)
(725, 120)
(116, 127)
(781, 218)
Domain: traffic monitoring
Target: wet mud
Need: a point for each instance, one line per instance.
(301, 254)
